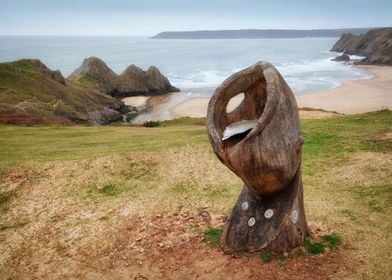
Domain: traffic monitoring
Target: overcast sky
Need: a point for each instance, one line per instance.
(148, 17)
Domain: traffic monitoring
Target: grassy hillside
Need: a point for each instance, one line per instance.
(32, 93)
(324, 139)
(48, 143)
(120, 201)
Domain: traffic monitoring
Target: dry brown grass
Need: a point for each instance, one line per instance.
(354, 200)
(60, 212)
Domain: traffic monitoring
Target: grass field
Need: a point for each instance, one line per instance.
(68, 193)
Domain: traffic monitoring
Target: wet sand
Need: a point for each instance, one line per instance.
(135, 101)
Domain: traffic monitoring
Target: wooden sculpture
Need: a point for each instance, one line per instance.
(260, 141)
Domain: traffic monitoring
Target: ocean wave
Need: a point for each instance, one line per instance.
(206, 78)
(356, 57)
(303, 77)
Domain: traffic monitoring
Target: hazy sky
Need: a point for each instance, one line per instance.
(147, 17)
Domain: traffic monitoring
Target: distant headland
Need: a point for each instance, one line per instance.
(258, 33)
(375, 46)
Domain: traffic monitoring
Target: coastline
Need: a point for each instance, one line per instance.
(351, 97)
(355, 96)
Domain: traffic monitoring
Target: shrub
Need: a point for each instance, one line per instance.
(151, 124)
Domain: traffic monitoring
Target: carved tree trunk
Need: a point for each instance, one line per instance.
(260, 141)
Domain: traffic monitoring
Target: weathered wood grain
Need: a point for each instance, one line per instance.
(267, 158)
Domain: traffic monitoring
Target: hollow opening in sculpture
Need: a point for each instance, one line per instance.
(235, 102)
(242, 119)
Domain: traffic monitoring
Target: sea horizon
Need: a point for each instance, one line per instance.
(198, 66)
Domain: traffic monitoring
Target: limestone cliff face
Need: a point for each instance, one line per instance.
(133, 81)
(95, 70)
(156, 82)
(375, 45)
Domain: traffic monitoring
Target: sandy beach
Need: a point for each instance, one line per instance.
(135, 101)
(352, 97)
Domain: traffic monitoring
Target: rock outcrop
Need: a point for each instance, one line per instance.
(133, 81)
(375, 45)
(31, 93)
(96, 71)
(156, 82)
(344, 57)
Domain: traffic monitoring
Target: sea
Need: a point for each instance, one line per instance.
(197, 67)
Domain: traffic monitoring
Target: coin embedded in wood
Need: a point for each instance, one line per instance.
(294, 216)
(269, 213)
(251, 222)
(245, 205)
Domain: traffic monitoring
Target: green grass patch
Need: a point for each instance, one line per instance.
(213, 236)
(314, 248)
(266, 256)
(332, 240)
(327, 140)
(345, 134)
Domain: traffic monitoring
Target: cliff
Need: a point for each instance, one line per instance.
(94, 70)
(375, 45)
(133, 81)
(31, 93)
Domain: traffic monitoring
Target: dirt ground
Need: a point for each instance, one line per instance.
(142, 216)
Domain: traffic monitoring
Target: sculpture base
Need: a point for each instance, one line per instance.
(276, 223)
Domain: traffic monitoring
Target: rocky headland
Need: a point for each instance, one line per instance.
(31, 93)
(375, 46)
(132, 82)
